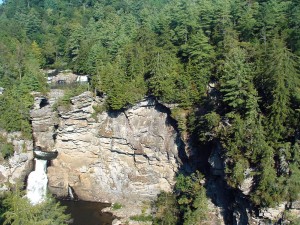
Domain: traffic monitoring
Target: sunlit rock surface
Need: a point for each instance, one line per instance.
(115, 156)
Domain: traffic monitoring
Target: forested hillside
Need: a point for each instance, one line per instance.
(231, 65)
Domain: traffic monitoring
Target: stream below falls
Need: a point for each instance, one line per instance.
(87, 213)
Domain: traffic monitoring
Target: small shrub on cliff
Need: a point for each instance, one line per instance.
(6, 149)
(98, 109)
(73, 91)
(142, 218)
(116, 206)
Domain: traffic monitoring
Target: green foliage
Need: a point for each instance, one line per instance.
(116, 206)
(199, 212)
(283, 77)
(122, 88)
(167, 211)
(293, 183)
(209, 124)
(236, 81)
(267, 192)
(292, 217)
(190, 200)
(19, 211)
(6, 149)
(142, 218)
(14, 108)
(166, 76)
(180, 115)
(98, 109)
(236, 151)
(70, 92)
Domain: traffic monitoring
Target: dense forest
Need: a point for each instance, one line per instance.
(232, 67)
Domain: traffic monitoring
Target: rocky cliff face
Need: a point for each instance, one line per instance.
(18, 166)
(109, 156)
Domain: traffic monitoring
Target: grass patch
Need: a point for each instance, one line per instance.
(98, 109)
(142, 218)
(6, 149)
(70, 92)
(116, 206)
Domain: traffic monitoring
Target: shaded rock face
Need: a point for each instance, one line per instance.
(18, 166)
(215, 160)
(114, 156)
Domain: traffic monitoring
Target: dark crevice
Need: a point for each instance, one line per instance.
(44, 102)
(54, 135)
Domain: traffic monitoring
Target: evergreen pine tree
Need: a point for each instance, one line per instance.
(282, 77)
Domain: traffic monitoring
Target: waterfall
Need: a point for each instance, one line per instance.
(37, 182)
(71, 195)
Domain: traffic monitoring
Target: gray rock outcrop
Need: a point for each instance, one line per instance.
(273, 213)
(19, 165)
(247, 183)
(295, 205)
(44, 120)
(109, 156)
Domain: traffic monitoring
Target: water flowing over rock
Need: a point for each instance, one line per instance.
(109, 156)
(37, 183)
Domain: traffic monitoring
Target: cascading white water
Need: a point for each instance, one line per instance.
(71, 195)
(37, 182)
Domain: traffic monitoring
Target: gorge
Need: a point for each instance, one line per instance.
(126, 157)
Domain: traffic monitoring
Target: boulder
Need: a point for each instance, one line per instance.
(273, 213)
(247, 183)
(295, 205)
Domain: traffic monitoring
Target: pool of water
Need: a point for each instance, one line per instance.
(87, 213)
